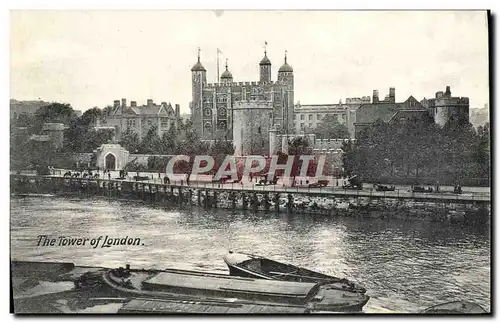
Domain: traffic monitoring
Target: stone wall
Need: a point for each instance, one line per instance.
(251, 123)
(143, 158)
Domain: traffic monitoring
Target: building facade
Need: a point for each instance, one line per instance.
(140, 119)
(385, 110)
(212, 104)
(444, 107)
(309, 116)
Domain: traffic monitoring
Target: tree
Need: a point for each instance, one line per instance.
(19, 150)
(168, 142)
(151, 142)
(417, 150)
(24, 120)
(54, 112)
(331, 128)
(221, 147)
(81, 135)
(299, 146)
(130, 141)
(107, 110)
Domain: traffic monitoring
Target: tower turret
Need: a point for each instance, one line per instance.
(199, 78)
(285, 78)
(265, 68)
(226, 77)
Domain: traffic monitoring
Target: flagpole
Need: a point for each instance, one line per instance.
(218, 79)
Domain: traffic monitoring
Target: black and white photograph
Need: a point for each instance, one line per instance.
(293, 162)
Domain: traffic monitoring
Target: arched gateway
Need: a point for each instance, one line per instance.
(110, 161)
(111, 157)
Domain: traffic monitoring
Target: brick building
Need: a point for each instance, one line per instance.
(308, 116)
(386, 110)
(140, 119)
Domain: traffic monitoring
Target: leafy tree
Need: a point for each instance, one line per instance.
(331, 128)
(19, 149)
(168, 142)
(151, 142)
(299, 146)
(54, 112)
(24, 120)
(130, 141)
(417, 150)
(107, 110)
(221, 147)
(81, 136)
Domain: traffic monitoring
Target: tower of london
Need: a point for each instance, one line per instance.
(213, 105)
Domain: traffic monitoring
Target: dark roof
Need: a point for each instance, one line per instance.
(409, 113)
(265, 60)
(371, 112)
(285, 68)
(198, 67)
(145, 110)
(227, 74)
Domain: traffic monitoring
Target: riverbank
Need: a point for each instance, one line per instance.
(411, 206)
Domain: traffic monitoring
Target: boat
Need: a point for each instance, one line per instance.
(455, 307)
(247, 265)
(43, 287)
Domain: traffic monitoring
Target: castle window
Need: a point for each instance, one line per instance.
(302, 126)
(301, 117)
(222, 112)
(221, 98)
(258, 130)
(310, 117)
(208, 112)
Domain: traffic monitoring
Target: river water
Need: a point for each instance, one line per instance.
(405, 266)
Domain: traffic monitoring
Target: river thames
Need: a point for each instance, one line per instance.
(405, 266)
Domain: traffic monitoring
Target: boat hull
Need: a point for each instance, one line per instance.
(240, 264)
(66, 288)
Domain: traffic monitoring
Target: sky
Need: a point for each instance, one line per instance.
(90, 58)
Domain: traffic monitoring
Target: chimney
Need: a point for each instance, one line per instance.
(448, 91)
(375, 96)
(124, 103)
(116, 103)
(392, 94)
(164, 104)
(150, 103)
(177, 111)
(133, 104)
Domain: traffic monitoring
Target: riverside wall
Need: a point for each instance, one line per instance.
(458, 210)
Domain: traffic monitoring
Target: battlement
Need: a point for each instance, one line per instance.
(364, 99)
(446, 101)
(230, 84)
